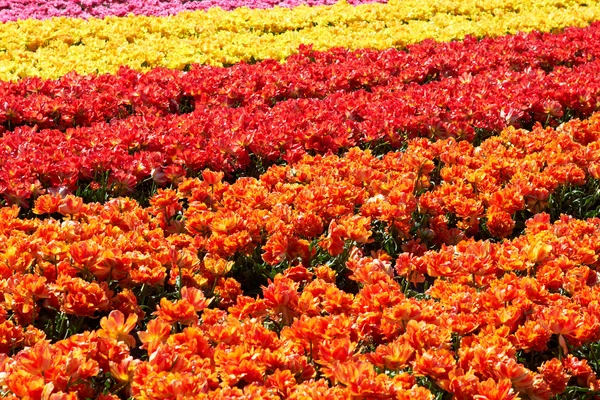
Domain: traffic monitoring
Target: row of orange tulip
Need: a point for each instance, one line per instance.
(357, 234)
(468, 338)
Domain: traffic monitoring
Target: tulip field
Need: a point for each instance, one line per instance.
(300, 199)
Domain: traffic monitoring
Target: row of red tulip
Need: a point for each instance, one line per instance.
(76, 100)
(236, 140)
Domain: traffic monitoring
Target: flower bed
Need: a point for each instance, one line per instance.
(12, 10)
(55, 47)
(417, 222)
(81, 100)
(113, 159)
(334, 311)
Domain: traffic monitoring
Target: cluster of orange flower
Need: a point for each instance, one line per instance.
(388, 280)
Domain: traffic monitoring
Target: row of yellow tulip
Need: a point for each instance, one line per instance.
(52, 48)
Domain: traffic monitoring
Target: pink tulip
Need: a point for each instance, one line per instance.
(12, 10)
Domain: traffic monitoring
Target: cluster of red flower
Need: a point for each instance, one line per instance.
(499, 319)
(76, 100)
(225, 139)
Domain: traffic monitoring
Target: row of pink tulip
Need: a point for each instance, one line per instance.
(12, 10)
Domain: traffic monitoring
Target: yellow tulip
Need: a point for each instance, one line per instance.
(54, 47)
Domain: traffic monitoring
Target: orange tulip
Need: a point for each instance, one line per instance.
(437, 364)
(282, 297)
(157, 331)
(79, 367)
(582, 371)
(111, 265)
(555, 375)
(394, 356)
(46, 204)
(83, 298)
(532, 336)
(25, 385)
(283, 382)
(195, 297)
(70, 205)
(538, 251)
(562, 322)
(116, 327)
(216, 265)
(181, 311)
(463, 385)
(360, 378)
(492, 390)
(239, 364)
(335, 350)
(123, 371)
